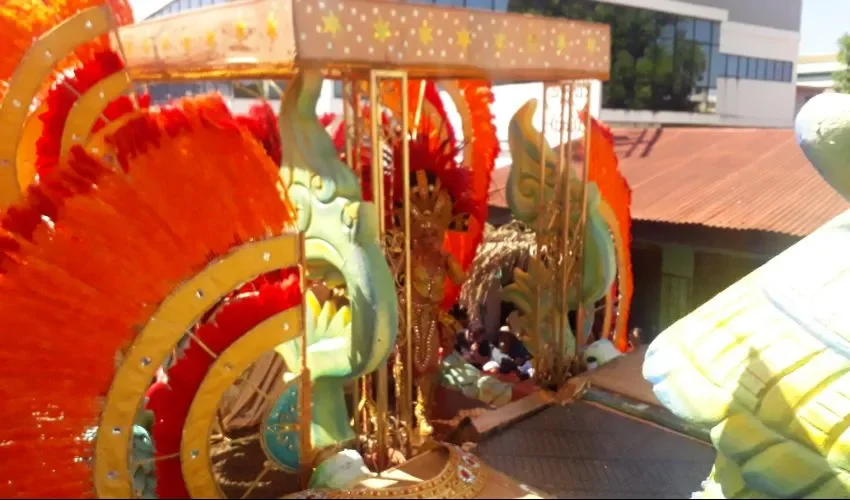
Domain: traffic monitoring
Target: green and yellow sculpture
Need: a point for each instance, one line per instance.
(535, 287)
(765, 365)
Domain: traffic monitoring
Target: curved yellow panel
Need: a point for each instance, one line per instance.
(27, 152)
(230, 365)
(28, 78)
(170, 322)
(89, 108)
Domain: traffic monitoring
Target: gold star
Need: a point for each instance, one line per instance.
(531, 41)
(331, 23)
(240, 31)
(146, 47)
(500, 41)
(426, 35)
(211, 39)
(561, 43)
(591, 44)
(271, 27)
(166, 44)
(382, 30)
(464, 38)
(187, 43)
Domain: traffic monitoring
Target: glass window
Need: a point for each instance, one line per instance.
(478, 4)
(752, 72)
(702, 31)
(666, 27)
(701, 63)
(715, 33)
(789, 72)
(338, 89)
(770, 71)
(731, 66)
(500, 5)
(685, 27)
(761, 66)
(716, 66)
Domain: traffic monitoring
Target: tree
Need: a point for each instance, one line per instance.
(842, 78)
(653, 64)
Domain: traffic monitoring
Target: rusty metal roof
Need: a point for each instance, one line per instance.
(733, 178)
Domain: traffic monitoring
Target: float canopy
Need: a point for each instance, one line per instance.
(273, 38)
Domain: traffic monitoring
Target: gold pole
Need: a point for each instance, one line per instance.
(306, 403)
(378, 196)
(564, 167)
(347, 122)
(407, 387)
(580, 340)
(537, 345)
(419, 103)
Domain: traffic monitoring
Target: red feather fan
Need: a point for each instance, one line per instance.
(65, 92)
(262, 122)
(170, 401)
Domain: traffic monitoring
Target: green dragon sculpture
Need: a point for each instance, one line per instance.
(341, 247)
(535, 287)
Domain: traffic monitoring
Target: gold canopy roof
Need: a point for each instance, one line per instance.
(272, 38)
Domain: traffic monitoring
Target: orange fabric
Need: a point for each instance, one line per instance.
(615, 190)
(73, 295)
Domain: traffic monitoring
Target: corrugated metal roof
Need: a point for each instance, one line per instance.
(749, 179)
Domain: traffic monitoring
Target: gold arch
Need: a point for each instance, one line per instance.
(29, 76)
(165, 328)
(231, 364)
(88, 109)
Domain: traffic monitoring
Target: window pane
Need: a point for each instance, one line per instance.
(686, 28)
(666, 26)
(702, 31)
(717, 66)
(770, 70)
(752, 74)
(338, 89)
(789, 71)
(701, 59)
(479, 4)
(731, 66)
(715, 33)
(761, 65)
(500, 5)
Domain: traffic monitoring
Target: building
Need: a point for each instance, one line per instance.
(815, 75)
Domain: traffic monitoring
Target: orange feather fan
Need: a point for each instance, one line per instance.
(97, 262)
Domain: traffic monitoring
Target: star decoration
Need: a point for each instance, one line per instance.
(166, 43)
(146, 47)
(500, 41)
(591, 44)
(331, 24)
(271, 27)
(187, 43)
(240, 30)
(211, 39)
(464, 38)
(532, 42)
(382, 30)
(426, 34)
(561, 43)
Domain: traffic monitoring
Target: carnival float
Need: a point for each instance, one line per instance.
(198, 304)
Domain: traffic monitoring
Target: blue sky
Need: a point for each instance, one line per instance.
(823, 22)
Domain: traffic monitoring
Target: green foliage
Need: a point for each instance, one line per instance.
(842, 77)
(653, 65)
